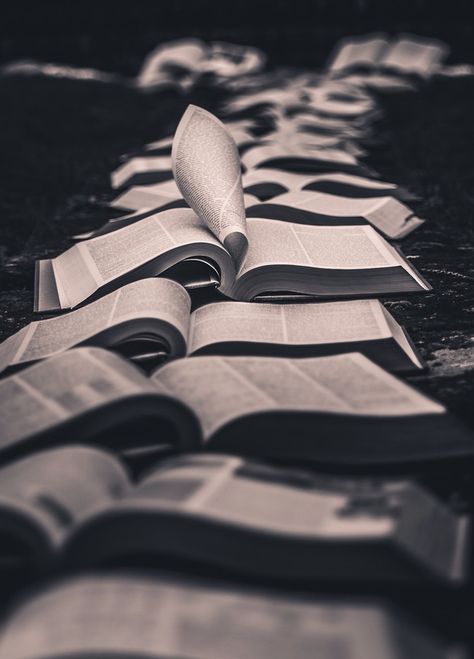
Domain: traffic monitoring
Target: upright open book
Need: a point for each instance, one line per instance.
(253, 258)
(335, 410)
(77, 505)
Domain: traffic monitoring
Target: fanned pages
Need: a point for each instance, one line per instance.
(206, 168)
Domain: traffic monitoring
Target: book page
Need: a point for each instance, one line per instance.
(356, 51)
(414, 55)
(220, 389)
(288, 180)
(267, 152)
(287, 324)
(356, 181)
(141, 196)
(92, 263)
(329, 204)
(62, 486)
(334, 247)
(52, 391)
(386, 213)
(139, 165)
(285, 502)
(159, 299)
(133, 615)
(206, 168)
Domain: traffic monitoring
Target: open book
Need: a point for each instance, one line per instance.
(227, 512)
(253, 258)
(263, 184)
(284, 259)
(139, 615)
(388, 215)
(151, 320)
(339, 410)
(405, 55)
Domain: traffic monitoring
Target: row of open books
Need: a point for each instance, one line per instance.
(95, 401)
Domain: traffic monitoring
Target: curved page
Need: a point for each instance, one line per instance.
(206, 168)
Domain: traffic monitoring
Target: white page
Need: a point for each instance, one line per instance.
(206, 168)
(74, 481)
(139, 197)
(288, 324)
(105, 614)
(139, 165)
(220, 389)
(158, 66)
(160, 299)
(293, 181)
(414, 55)
(386, 213)
(87, 266)
(274, 96)
(264, 153)
(292, 511)
(356, 51)
(332, 247)
(64, 386)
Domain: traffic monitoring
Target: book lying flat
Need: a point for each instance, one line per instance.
(283, 258)
(339, 410)
(253, 258)
(142, 171)
(406, 54)
(138, 614)
(229, 513)
(266, 183)
(150, 320)
(148, 205)
(388, 215)
(295, 158)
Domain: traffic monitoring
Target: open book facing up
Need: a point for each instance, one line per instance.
(143, 616)
(386, 214)
(335, 410)
(150, 320)
(267, 183)
(296, 158)
(406, 54)
(154, 166)
(78, 502)
(142, 171)
(284, 259)
(263, 184)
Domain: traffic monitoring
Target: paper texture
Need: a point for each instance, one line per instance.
(62, 387)
(206, 168)
(287, 324)
(220, 389)
(358, 51)
(87, 266)
(159, 299)
(265, 153)
(63, 486)
(142, 617)
(338, 247)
